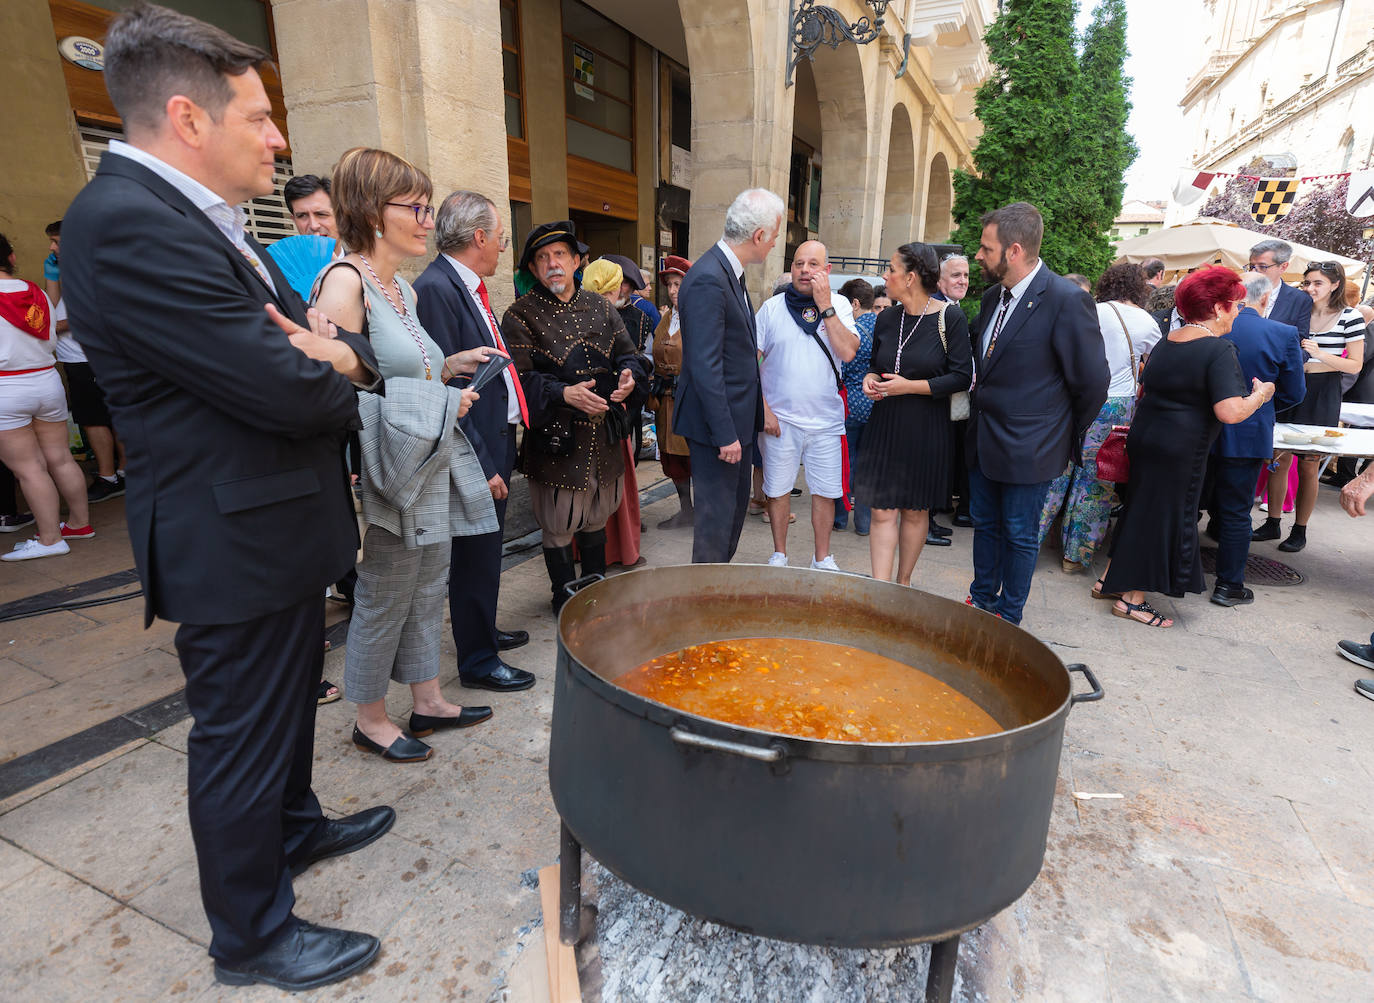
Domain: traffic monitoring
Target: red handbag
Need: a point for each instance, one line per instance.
(1112, 462)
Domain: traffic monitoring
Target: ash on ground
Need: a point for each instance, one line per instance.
(643, 951)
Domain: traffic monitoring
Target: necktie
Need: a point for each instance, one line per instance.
(230, 222)
(997, 323)
(496, 333)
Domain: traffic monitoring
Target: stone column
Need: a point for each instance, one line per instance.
(399, 76)
(41, 163)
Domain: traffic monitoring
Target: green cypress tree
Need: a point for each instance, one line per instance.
(1053, 130)
(1105, 149)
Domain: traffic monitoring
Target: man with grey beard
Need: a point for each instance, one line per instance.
(583, 380)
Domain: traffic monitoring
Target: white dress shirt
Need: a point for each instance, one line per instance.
(730, 257)
(1017, 292)
(229, 220)
(470, 282)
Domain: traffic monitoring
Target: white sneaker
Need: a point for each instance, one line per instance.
(778, 560)
(27, 550)
(826, 563)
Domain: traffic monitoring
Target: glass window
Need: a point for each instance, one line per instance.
(510, 69)
(598, 87)
(246, 20)
(585, 141)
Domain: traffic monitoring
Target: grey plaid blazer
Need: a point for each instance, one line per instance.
(421, 479)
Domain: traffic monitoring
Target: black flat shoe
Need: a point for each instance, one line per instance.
(1295, 542)
(338, 836)
(937, 541)
(422, 724)
(1269, 531)
(935, 529)
(508, 639)
(406, 749)
(503, 679)
(304, 957)
(962, 521)
(1232, 595)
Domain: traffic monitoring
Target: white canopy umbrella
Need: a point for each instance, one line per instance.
(1209, 241)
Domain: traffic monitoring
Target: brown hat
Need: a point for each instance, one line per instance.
(674, 265)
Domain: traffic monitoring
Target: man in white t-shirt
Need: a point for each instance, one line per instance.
(804, 335)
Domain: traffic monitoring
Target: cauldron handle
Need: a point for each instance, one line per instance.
(578, 584)
(771, 754)
(1097, 691)
(944, 956)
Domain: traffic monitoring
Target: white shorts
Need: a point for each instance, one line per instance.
(819, 452)
(31, 395)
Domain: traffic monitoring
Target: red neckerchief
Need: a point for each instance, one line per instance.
(27, 310)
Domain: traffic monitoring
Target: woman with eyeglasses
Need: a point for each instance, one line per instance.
(1334, 349)
(382, 204)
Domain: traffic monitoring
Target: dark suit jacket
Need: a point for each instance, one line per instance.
(1045, 383)
(718, 396)
(1294, 307)
(454, 320)
(1270, 351)
(238, 501)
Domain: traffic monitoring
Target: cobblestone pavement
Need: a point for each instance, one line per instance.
(1237, 865)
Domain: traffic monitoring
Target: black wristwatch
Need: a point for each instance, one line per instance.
(827, 312)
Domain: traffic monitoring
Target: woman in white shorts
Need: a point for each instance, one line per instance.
(33, 417)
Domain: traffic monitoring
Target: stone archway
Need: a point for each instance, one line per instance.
(939, 202)
(843, 103)
(899, 200)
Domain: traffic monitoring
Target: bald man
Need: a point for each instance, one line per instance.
(804, 335)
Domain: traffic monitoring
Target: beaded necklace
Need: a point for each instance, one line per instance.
(401, 312)
(903, 337)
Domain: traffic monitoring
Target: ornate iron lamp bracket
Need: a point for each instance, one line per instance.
(814, 26)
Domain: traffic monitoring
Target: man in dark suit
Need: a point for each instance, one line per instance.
(719, 404)
(1269, 351)
(453, 306)
(1288, 305)
(1041, 377)
(233, 404)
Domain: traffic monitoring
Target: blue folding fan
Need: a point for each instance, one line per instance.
(300, 258)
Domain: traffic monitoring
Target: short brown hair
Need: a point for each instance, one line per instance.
(1124, 283)
(1018, 223)
(364, 181)
(858, 289)
(153, 54)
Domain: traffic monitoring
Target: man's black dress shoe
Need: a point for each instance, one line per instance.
(303, 958)
(935, 529)
(406, 749)
(962, 520)
(502, 679)
(1232, 595)
(937, 541)
(422, 724)
(338, 836)
(508, 639)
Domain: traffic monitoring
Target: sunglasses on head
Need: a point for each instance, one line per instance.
(1327, 267)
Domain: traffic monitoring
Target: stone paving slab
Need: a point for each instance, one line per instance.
(1236, 866)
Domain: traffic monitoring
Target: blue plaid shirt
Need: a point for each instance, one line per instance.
(854, 371)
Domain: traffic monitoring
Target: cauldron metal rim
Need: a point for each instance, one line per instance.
(797, 746)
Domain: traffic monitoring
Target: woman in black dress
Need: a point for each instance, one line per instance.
(921, 355)
(1192, 383)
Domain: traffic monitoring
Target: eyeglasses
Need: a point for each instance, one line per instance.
(1330, 267)
(1253, 267)
(422, 212)
(503, 243)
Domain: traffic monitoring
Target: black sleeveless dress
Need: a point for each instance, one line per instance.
(1155, 548)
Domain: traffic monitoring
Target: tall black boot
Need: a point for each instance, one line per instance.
(592, 546)
(685, 516)
(562, 569)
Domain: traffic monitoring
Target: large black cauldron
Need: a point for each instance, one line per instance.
(852, 845)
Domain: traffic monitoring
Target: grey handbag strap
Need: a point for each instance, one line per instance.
(1130, 346)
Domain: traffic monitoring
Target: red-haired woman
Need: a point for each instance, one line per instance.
(1192, 384)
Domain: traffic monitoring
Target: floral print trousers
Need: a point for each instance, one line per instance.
(1087, 502)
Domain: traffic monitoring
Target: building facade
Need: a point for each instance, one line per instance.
(1290, 82)
(1137, 219)
(641, 121)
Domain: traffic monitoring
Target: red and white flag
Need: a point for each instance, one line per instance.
(1191, 186)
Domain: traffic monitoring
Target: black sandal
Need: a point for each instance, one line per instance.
(326, 692)
(1097, 592)
(1156, 618)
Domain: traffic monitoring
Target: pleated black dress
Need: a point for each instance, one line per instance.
(904, 462)
(1156, 545)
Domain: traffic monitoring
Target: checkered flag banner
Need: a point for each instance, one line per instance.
(1273, 198)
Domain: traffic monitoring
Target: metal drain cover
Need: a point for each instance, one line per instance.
(1258, 570)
